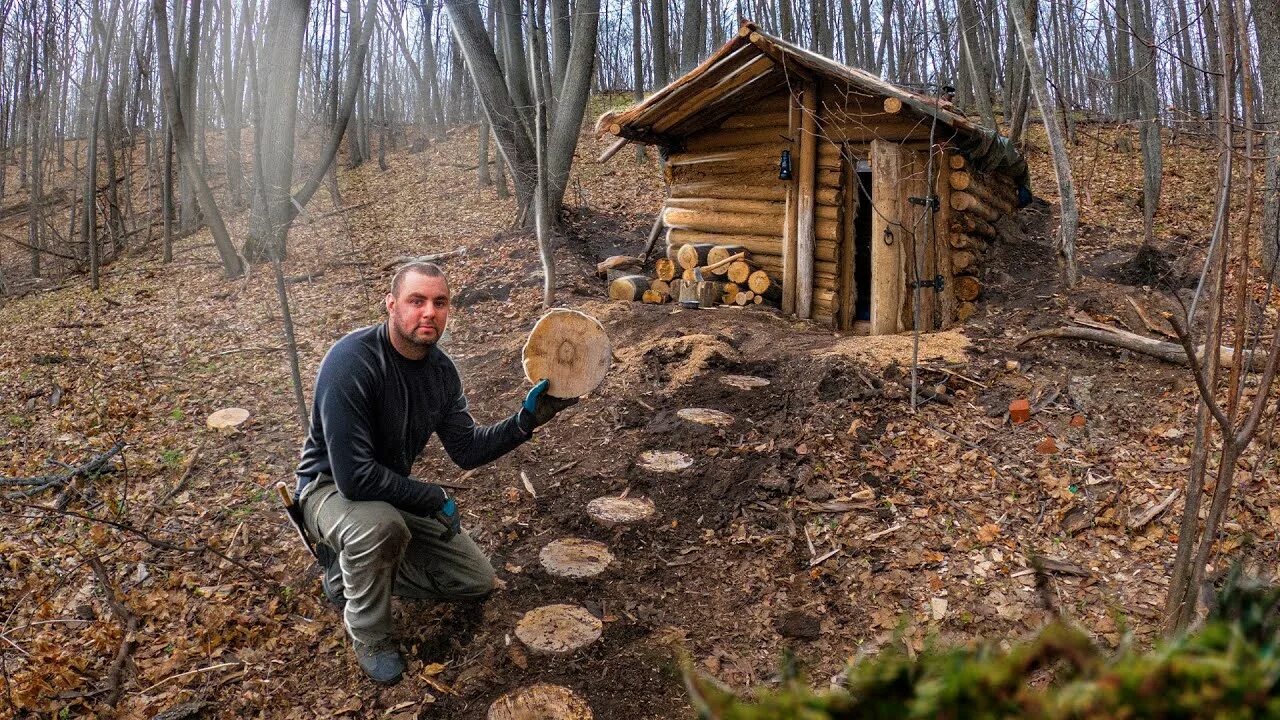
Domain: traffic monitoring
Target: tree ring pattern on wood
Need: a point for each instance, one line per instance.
(705, 416)
(664, 460)
(575, 557)
(743, 382)
(558, 629)
(612, 510)
(540, 702)
(571, 350)
(228, 418)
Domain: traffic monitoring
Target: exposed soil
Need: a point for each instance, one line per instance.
(830, 517)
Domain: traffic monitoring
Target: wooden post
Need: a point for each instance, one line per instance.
(806, 168)
(921, 261)
(887, 238)
(942, 241)
(789, 223)
(849, 244)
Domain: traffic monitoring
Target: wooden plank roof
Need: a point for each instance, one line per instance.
(754, 64)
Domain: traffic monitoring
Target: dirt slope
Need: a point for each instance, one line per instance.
(828, 518)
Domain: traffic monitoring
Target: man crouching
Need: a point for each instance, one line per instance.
(380, 394)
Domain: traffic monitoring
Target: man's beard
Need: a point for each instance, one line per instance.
(412, 337)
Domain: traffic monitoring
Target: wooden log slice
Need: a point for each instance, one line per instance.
(228, 420)
(664, 460)
(739, 272)
(569, 348)
(558, 629)
(653, 297)
(967, 288)
(743, 382)
(693, 255)
(665, 269)
(660, 286)
(611, 510)
(540, 702)
(758, 282)
(575, 557)
(705, 416)
(720, 252)
(628, 287)
(744, 298)
(965, 310)
(689, 275)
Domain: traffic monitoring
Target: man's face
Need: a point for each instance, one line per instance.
(419, 313)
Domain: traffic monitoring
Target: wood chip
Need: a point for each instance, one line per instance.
(558, 629)
(228, 419)
(575, 557)
(540, 702)
(664, 460)
(705, 416)
(743, 382)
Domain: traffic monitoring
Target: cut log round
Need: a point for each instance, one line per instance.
(744, 298)
(965, 310)
(569, 348)
(628, 287)
(575, 557)
(540, 702)
(612, 510)
(720, 252)
(892, 105)
(956, 160)
(750, 243)
(967, 288)
(664, 460)
(739, 272)
(743, 382)
(692, 255)
(558, 629)
(228, 419)
(705, 416)
(618, 262)
(962, 260)
(665, 269)
(661, 287)
(759, 282)
(653, 297)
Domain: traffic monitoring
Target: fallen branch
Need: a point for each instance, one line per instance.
(433, 257)
(1151, 513)
(1159, 349)
(335, 211)
(41, 483)
(128, 621)
(254, 348)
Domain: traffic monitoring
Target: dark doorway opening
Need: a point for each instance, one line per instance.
(862, 247)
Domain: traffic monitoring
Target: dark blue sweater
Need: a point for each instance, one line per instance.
(374, 411)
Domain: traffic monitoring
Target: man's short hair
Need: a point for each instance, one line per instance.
(422, 268)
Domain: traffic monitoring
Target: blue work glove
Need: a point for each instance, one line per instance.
(539, 407)
(449, 516)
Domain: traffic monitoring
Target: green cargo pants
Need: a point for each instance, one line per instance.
(384, 551)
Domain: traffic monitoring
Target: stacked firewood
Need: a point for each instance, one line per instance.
(696, 275)
(977, 202)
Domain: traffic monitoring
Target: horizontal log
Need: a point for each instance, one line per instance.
(998, 199)
(772, 264)
(720, 252)
(829, 178)
(754, 244)
(965, 310)
(694, 255)
(722, 138)
(630, 287)
(739, 157)
(730, 223)
(964, 241)
(973, 225)
(653, 297)
(964, 202)
(759, 207)
(827, 196)
(665, 269)
(956, 160)
(738, 272)
(962, 260)
(967, 288)
(865, 128)
(754, 118)
(775, 191)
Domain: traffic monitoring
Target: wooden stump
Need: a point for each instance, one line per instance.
(228, 420)
(664, 460)
(571, 350)
(558, 629)
(743, 382)
(613, 510)
(540, 702)
(705, 416)
(575, 558)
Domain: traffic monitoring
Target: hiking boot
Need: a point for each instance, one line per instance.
(382, 662)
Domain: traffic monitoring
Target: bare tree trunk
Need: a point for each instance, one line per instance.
(979, 67)
(186, 154)
(637, 64)
(658, 39)
(1267, 18)
(542, 212)
(1070, 213)
(1146, 82)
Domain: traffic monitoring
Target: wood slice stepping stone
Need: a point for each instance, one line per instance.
(558, 629)
(612, 510)
(571, 350)
(705, 416)
(540, 702)
(228, 419)
(664, 460)
(575, 557)
(743, 382)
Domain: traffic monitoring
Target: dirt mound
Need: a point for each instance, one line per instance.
(676, 362)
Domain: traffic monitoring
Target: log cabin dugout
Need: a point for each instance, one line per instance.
(891, 197)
